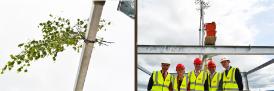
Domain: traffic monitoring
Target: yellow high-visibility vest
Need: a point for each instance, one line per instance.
(159, 84)
(229, 82)
(183, 86)
(197, 83)
(214, 82)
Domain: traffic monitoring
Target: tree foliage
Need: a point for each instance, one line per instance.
(58, 33)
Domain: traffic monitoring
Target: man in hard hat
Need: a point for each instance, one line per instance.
(160, 80)
(214, 77)
(198, 77)
(180, 82)
(232, 78)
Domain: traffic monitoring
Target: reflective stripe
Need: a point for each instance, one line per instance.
(218, 80)
(213, 75)
(229, 81)
(203, 79)
(231, 89)
(199, 84)
(190, 76)
(213, 86)
(192, 89)
(186, 80)
(192, 82)
(183, 89)
(173, 83)
(233, 74)
(161, 85)
(196, 90)
(156, 78)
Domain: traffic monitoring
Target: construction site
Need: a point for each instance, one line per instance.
(204, 41)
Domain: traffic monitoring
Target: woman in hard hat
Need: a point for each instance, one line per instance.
(213, 77)
(197, 77)
(180, 82)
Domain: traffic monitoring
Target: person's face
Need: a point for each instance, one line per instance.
(225, 64)
(165, 66)
(212, 69)
(198, 66)
(180, 72)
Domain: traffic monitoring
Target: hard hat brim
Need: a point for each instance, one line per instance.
(165, 63)
(224, 60)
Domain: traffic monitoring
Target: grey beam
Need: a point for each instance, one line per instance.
(246, 80)
(96, 11)
(143, 69)
(149, 73)
(203, 50)
(261, 66)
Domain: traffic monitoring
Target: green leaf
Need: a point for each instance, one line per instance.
(25, 70)
(57, 33)
(85, 26)
(5, 67)
(10, 63)
(12, 57)
(18, 62)
(19, 69)
(81, 22)
(74, 48)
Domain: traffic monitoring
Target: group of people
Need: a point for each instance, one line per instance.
(197, 80)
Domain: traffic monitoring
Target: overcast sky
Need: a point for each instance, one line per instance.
(18, 23)
(239, 22)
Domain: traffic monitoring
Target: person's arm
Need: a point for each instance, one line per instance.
(188, 86)
(170, 87)
(150, 83)
(238, 78)
(206, 84)
(220, 88)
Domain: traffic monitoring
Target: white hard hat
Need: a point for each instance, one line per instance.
(167, 61)
(224, 59)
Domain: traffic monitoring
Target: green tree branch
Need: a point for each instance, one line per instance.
(58, 33)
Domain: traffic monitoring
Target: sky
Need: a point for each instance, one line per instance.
(239, 22)
(18, 24)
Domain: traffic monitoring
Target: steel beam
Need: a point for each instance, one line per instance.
(261, 66)
(203, 50)
(143, 69)
(246, 80)
(96, 11)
